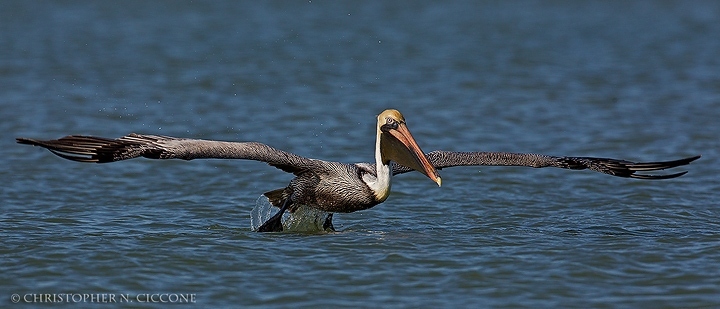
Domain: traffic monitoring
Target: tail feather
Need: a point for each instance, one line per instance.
(275, 197)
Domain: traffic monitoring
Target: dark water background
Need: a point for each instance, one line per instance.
(638, 81)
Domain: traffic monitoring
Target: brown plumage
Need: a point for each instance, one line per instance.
(333, 186)
(621, 168)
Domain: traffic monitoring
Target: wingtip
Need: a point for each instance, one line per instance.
(669, 176)
(25, 141)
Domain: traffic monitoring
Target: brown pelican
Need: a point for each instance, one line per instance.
(332, 186)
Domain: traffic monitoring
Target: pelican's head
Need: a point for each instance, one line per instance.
(398, 145)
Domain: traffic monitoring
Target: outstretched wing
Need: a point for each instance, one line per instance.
(615, 167)
(102, 150)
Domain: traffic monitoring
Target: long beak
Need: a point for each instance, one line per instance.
(403, 149)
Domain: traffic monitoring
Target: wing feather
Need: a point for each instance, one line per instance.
(103, 150)
(615, 167)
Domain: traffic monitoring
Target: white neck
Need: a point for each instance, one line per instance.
(380, 185)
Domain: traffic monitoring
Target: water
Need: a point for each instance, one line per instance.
(305, 219)
(637, 81)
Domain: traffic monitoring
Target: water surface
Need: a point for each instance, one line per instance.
(635, 81)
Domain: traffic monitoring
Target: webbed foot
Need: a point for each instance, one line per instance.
(274, 224)
(327, 225)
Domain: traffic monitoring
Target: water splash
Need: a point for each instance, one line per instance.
(304, 219)
(262, 211)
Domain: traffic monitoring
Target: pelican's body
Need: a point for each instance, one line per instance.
(330, 187)
(333, 186)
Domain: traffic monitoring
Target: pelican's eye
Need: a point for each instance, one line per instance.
(390, 124)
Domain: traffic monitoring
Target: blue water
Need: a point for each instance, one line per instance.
(637, 81)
